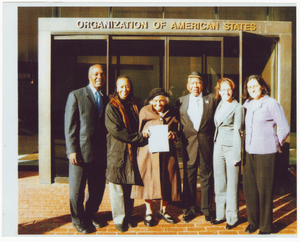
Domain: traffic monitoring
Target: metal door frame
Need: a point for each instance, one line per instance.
(167, 40)
(50, 27)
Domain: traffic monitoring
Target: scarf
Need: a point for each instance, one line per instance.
(116, 102)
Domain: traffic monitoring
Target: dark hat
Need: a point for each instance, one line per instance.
(195, 74)
(156, 92)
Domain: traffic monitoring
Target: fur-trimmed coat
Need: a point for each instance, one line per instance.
(121, 141)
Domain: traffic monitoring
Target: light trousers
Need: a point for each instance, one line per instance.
(121, 203)
(226, 178)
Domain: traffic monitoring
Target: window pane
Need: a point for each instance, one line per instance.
(190, 12)
(88, 12)
(140, 60)
(137, 12)
(71, 60)
(243, 13)
(189, 56)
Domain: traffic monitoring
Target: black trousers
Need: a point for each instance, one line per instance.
(92, 174)
(258, 179)
(190, 186)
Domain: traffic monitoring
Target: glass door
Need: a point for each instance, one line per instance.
(259, 57)
(151, 61)
(71, 58)
(186, 55)
(142, 59)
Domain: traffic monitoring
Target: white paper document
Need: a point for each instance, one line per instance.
(158, 140)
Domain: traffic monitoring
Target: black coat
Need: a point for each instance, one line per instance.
(120, 169)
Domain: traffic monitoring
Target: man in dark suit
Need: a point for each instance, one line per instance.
(85, 135)
(197, 124)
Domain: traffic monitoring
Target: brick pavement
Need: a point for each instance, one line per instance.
(44, 210)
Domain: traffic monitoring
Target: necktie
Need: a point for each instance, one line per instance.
(197, 115)
(194, 111)
(99, 101)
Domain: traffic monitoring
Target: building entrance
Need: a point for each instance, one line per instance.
(148, 61)
(165, 62)
(152, 61)
(159, 53)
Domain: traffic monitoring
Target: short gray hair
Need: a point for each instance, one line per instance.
(166, 98)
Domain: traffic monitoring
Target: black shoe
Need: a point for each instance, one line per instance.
(188, 218)
(168, 218)
(149, 222)
(263, 232)
(274, 229)
(251, 229)
(84, 229)
(208, 218)
(215, 222)
(98, 223)
(120, 227)
(228, 226)
(130, 224)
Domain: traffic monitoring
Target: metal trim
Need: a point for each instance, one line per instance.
(241, 67)
(222, 57)
(167, 64)
(138, 38)
(79, 37)
(197, 38)
(107, 64)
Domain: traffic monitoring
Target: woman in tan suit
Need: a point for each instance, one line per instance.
(159, 171)
(229, 120)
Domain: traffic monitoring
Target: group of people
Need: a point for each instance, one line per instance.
(107, 140)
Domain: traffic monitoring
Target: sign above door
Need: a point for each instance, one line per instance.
(167, 25)
(159, 26)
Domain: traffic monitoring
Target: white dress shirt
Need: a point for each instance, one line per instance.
(195, 110)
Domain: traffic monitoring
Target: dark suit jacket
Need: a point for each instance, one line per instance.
(85, 130)
(197, 140)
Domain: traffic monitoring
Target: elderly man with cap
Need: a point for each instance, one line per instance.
(159, 171)
(197, 130)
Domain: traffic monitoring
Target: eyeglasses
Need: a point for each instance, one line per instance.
(225, 90)
(253, 87)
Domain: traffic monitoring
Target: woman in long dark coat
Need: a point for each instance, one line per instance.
(159, 171)
(121, 121)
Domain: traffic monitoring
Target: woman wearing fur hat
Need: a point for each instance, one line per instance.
(159, 171)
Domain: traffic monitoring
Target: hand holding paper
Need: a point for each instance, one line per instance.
(158, 140)
(146, 134)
